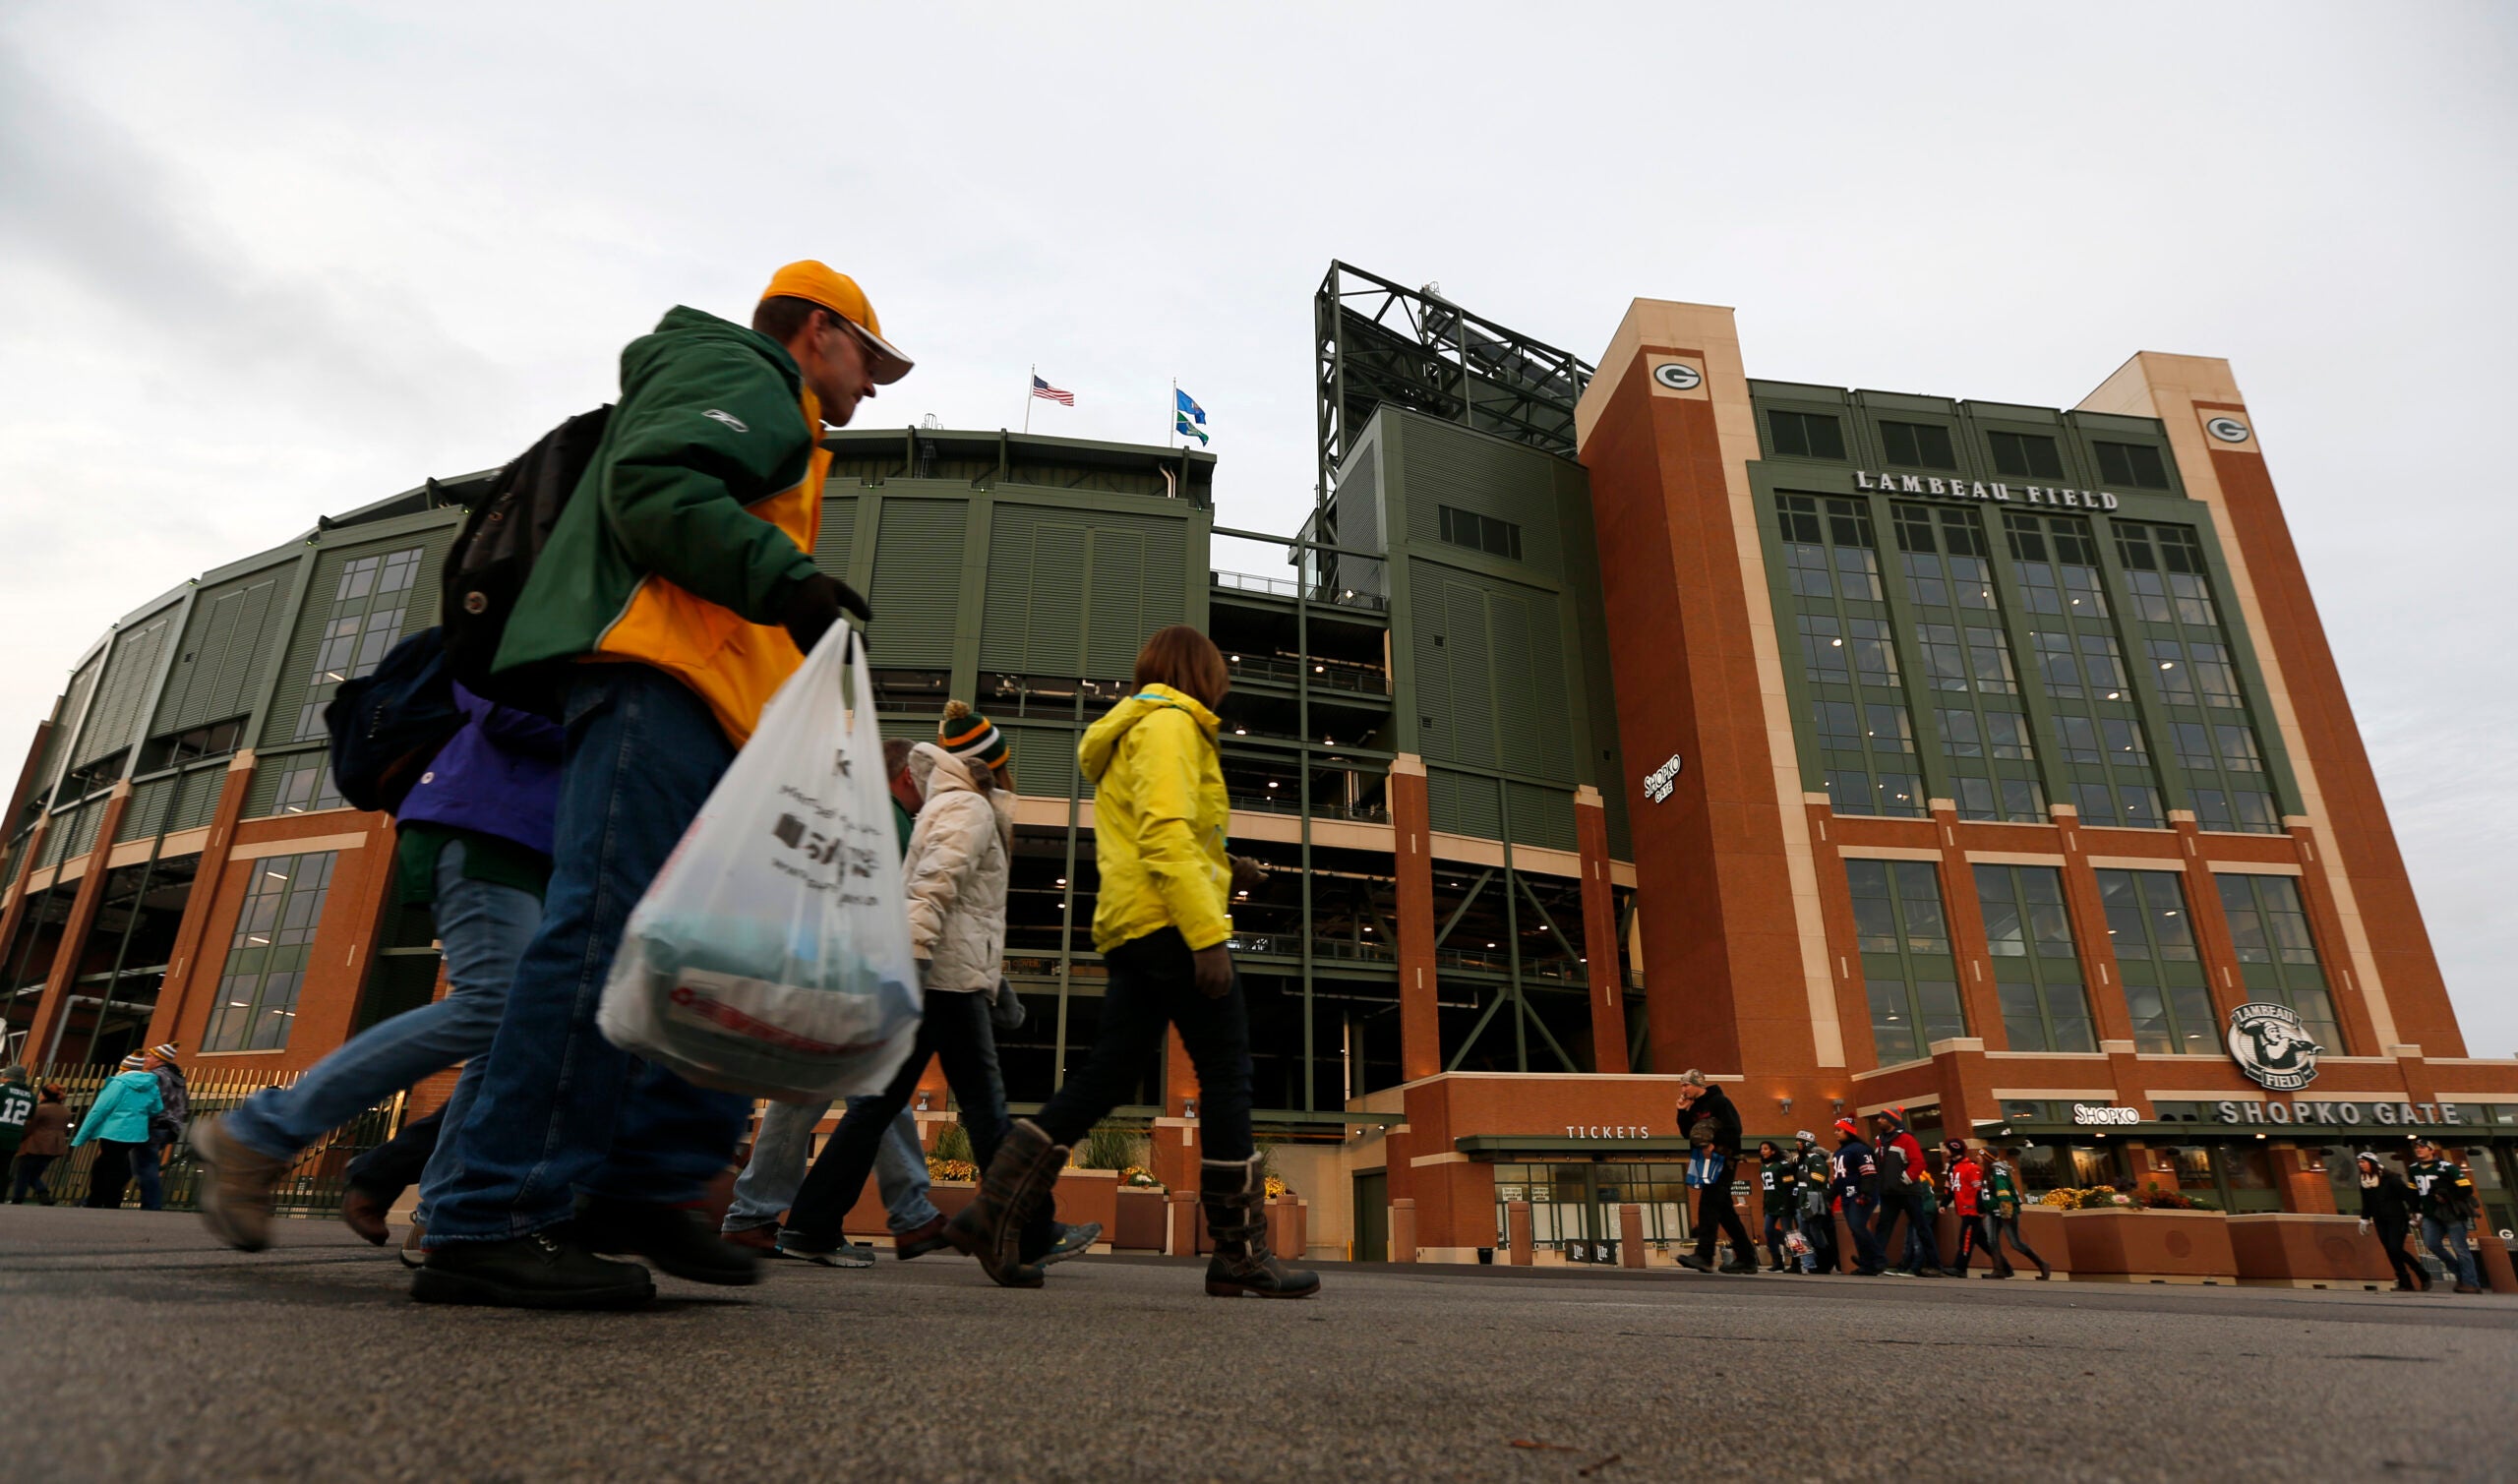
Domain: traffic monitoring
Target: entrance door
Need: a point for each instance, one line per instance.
(1372, 1216)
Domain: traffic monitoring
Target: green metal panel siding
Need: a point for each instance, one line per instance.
(917, 581)
(129, 673)
(1542, 817)
(838, 535)
(229, 629)
(418, 602)
(1469, 663)
(1463, 804)
(198, 804)
(1117, 629)
(264, 792)
(1449, 466)
(1034, 617)
(1044, 761)
(148, 802)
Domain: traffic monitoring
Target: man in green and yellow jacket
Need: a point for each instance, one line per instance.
(680, 590)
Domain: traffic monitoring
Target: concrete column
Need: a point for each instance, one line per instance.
(1630, 1236)
(1420, 1032)
(1599, 933)
(1403, 1230)
(53, 1012)
(193, 962)
(2302, 1189)
(1517, 1228)
(20, 869)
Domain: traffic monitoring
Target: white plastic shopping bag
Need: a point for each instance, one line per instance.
(771, 956)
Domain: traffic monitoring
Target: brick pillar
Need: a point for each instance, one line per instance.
(1420, 1032)
(1965, 918)
(53, 1013)
(2334, 952)
(193, 961)
(2212, 942)
(1174, 1146)
(19, 897)
(1599, 933)
(2302, 1189)
(2104, 983)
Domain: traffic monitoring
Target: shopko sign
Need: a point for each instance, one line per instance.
(2346, 1114)
(1963, 489)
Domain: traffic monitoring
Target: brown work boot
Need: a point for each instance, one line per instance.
(1018, 1180)
(364, 1214)
(236, 1186)
(1232, 1192)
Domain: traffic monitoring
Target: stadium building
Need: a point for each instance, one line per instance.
(1862, 749)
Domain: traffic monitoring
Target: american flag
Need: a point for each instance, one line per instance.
(1043, 388)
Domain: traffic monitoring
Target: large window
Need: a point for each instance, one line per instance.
(2036, 975)
(2153, 935)
(368, 607)
(2137, 464)
(1858, 714)
(2026, 456)
(2278, 958)
(1908, 972)
(1918, 445)
(1804, 435)
(1965, 656)
(1486, 533)
(2212, 740)
(267, 958)
(307, 785)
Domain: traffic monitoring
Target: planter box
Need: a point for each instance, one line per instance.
(2296, 1250)
(1138, 1217)
(2042, 1227)
(1090, 1194)
(866, 1219)
(2141, 1246)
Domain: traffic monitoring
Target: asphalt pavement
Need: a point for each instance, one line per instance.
(138, 1349)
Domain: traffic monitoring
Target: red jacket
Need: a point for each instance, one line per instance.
(1966, 1184)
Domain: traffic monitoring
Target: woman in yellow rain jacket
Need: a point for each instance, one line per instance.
(1161, 922)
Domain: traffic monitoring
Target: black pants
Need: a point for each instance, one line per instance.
(1866, 1246)
(111, 1175)
(2407, 1270)
(383, 1173)
(1779, 1222)
(31, 1172)
(1151, 988)
(1920, 1237)
(1820, 1227)
(1713, 1209)
(957, 1032)
(2009, 1227)
(1975, 1231)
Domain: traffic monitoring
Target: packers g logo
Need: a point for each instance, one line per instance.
(1678, 376)
(2271, 1047)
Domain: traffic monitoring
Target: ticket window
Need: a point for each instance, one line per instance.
(2193, 1170)
(2246, 1176)
(2342, 1175)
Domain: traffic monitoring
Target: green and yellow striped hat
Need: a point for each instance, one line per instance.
(971, 736)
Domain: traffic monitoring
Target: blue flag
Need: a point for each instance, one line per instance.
(1186, 409)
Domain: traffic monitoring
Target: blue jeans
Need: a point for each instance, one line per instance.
(1859, 1215)
(146, 1162)
(483, 928)
(784, 1148)
(2447, 1242)
(558, 1109)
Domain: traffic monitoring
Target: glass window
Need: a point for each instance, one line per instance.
(266, 957)
(2214, 676)
(1484, 533)
(2094, 804)
(2238, 748)
(2037, 974)
(2007, 732)
(2176, 681)
(2026, 456)
(1960, 736)
(1945, 662)
(2056, 665)
(2079, 737)
(2137, 464)
(1910, 976)
(368, 604)
(1975, 799)
(2269, 928)
(1875, 659)
(1884, 726)
(307, 785)
(1989, 661)
(2023, 801)
(2193, 743)
(2104, 666)
(1822, 649)
(1804, 435)
(2142, 805)
(1918, 445)
(1836, 724)
(2122, 739)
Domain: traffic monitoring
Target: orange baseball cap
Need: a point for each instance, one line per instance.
(817, 282)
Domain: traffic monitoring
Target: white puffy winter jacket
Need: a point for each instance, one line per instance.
(960, 860)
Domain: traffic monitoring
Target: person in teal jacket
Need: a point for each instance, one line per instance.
(118, 1120)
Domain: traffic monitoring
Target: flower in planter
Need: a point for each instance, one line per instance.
(1275, 1186)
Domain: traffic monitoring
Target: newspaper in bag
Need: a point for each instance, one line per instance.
(771, 955)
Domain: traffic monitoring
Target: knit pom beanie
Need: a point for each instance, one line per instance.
(970, 737)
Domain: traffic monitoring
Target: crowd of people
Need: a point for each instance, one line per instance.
(683, 563)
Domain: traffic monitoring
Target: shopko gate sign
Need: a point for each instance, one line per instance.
(1979, 488)
(2343, 1114)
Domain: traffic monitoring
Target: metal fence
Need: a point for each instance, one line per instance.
(313, 1186)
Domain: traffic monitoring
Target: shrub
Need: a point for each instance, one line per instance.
(1110, 1147)
(953, 1143)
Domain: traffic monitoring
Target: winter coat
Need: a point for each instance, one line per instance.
(47, 1130)
(1902, 1161)
(2447, 1192)
(1160, 818)
(174, 1104)
(693, 523)
(498, 775)
(1966, 1187)
(1722, 1132)
(121, 1110)
(1817, 1172)
(1779, 1182)
(2389, 1203)
(2002, 1186)
(1856, 1175)
(958, 866)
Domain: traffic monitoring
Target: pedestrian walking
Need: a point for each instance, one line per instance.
(117, 1123)
(1967, 1176)
(1906, 1190)
(165, 1126)
(1779, 1203)
(957, 872)
(17, 1106)
(1710, 1122)
(473, 845)
(1160, 921)
(685, 561)
(1816, 1215)
(2448, 1200)
(373, 1182)
(2388, 1206)
(2004, 1193)
(48, 1139)
(1854, 1178)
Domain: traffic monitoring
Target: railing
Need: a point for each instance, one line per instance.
(1289, 946)
(1287, 587)
(1290, 803)
(313, 1185)
(1330, 674)
(1559, 970)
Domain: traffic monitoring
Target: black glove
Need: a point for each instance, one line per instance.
(813, 606)
(1005, 1007)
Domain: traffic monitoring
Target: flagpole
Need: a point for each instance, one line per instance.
(1034, 376)
(1171, 416)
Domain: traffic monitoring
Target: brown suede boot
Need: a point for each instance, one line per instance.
(1017, 1181)
(1232, 1191)
(236, 1186)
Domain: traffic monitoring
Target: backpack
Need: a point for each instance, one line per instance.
(389, 724)
(493, 556)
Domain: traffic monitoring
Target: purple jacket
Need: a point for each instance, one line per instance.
(500, 776)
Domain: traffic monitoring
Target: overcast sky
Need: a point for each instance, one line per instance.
(258, 262)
